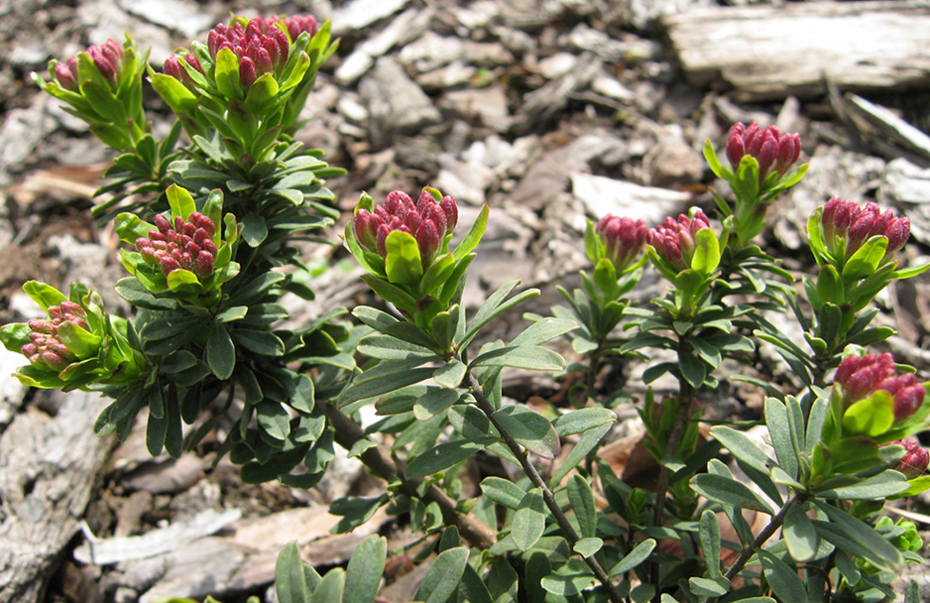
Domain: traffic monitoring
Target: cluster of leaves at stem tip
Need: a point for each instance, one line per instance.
(211, 226)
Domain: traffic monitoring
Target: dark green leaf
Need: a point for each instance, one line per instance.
(710, 542)
(264, 343)
(530, 429)
(291, 582)
(581, 497)
(634, 558)
(578, 421)
(800, 535)
(273, 420)
(585, 444)
(220, 352)
(529, 521)
(783, 579)
(503, 492)
(441, 457)
(741, 447)
(870, 543)
(443, 577)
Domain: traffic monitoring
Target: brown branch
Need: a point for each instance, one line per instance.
(382, 464)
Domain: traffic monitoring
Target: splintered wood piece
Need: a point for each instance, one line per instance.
(770, 52)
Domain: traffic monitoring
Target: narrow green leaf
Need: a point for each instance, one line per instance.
(741, 447)
(588, 441)
(729, 492)
(292, 584)
(800, 535)
(441, 457)
(331, 587)
(443, 577)
(783, 579)
(363, 574)
(776, 418)
(583, 419)
(522, 356)
(710, 542)
(874, 548)
(634, 558)
(581, 497)
(474, 235)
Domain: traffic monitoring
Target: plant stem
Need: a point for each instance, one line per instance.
(382, 464)
(764, 535)
(548, 497)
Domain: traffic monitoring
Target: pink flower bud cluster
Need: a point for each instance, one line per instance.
(624, 239)
(46, 349)
(174, 68)
(860, 377)
(845, 220)
(261, 48)
(674, 240)
(915, 459)
(297, 24)
(773, 150)
(428, 221)
(107, 57)
(182, 245)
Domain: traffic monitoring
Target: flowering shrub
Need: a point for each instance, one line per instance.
(208, 225)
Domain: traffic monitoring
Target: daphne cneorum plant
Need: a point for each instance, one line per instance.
(207, 226)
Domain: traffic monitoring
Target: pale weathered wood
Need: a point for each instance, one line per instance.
(773, 52)
(48, 467)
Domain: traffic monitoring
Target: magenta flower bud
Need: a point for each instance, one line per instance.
(623, 239)
(66, 74)
(915, 459)
(448, 206)
(168, 264)
(298, 25)
(898, 232)
(773, 150)
(203, 264)
(859, 378)
(366, 228)
(428, 240)
(209, 246)
(54, 361)
(39, 325)
(164, 226)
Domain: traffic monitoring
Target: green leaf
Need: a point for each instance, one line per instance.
(220, 352)
(869, 543)
(706, 251)
(872, 416)
(441, 457)
(44, 295)
(776, 418)
(543, 330)
(443, 577)
(263, 343)
(634, 558)
(581, 497)
(503, 492)
(529, 521)
(435, 401)
(705, 587)
(494, 306)
(254, 230)
(530, 429)
(877, 487)
(330, 587)
(273, 420)
(800, 535)
(363, 575)
(227, 74)
(403, 264)
(451, 374)
(383, 385)
(181, 202)
(864, 262)
(355, 511)
(692, 369)
(291, 582)
(741, 447)
(174, 93)
(783, 579)
(528, 357)
(585, 444)
(710, 542)
(386, 347)
(727, 491)
(587, 547)
(583, 419)
(474, 235)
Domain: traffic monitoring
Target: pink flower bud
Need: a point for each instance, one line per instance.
(452, 212)
(773, 150)
(168, 264)
(66, 74)
(54, 361)
(164, 226)
(623, 239)
(915, 459)
(859, 378)
(898, 232)
(428, 242)
(298, 25)
(203, 264)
